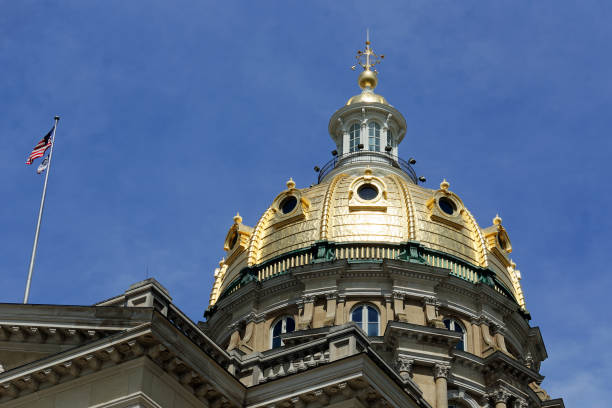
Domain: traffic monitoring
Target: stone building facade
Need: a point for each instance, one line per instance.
(365, 289)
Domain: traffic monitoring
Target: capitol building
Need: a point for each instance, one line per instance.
(364, 290)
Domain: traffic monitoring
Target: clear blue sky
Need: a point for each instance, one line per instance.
(175, 115)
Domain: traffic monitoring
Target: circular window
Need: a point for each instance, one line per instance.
(447, 205)
(288, 204)
(233, 240)
(367, 192)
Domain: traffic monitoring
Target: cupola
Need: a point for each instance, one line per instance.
(367, 130)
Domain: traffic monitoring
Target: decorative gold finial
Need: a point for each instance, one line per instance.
(367, 59)
(497, 220)
(444, 185)
(290, 184)
(237, 218)
(222, 262)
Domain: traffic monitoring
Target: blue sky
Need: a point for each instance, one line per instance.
(175, 115)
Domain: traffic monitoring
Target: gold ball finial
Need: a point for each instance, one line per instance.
(367, 79)
(237, 218)
(290, 184)
(222, 262)
(497, 220)
(444, 185)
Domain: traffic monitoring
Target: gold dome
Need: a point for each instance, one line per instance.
(402, 212)
(367, 96)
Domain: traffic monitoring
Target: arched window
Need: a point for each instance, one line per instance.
(367, 317)
(354, 137)
(283, 325)
(374, 137)
(453, 325)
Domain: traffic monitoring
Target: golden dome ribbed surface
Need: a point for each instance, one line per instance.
(367, 96)
(328, 212)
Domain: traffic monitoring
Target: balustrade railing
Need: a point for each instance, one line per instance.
(356, 252)
(367, 156)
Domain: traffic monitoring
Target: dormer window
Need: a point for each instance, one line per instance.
(374, 137)
(354, 137)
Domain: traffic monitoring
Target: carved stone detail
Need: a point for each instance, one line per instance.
(441, 370)
(403, 365)
(520, 403)
(500, 395)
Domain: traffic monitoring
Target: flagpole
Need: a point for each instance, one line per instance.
(40, 213)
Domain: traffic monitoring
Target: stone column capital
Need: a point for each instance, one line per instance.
(500, 395)
(441, 370)
(331, 295)
(520, 403)
(430, 300)
(308, 298)
(403, 365)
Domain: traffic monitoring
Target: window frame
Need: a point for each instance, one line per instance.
(375, 128)
(283, 321)
(365, 322)
(354, 137)
(455, 322)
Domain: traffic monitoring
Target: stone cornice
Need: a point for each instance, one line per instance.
(180, 356)
(432, 335)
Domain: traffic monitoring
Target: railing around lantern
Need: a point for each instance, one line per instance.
(367, 156)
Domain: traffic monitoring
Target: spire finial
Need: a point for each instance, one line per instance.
(367, 59)
(237, 218)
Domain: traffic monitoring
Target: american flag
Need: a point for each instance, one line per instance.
(41, 147)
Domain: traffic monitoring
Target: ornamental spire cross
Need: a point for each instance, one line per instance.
(367, 58)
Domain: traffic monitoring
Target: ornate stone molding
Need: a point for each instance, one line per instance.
(441, 370)
(520, 403)
(403, 365)
(499, 395)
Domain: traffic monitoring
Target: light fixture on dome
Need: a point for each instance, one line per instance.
(334, 152)
(388, 148)
(412, 160)
(422, 179)
(317, 169)
(360, 146)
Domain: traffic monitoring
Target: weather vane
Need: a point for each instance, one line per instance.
(367, 58)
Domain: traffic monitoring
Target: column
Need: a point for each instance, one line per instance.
(500, 397)
(340, 310)
(476, 339)
(440, 375)
(403, 365)
(364, 135)
(346, 147)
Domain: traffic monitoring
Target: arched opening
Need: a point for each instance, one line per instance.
(454, 325)
(374, 137)
(285, 324)
(367, 317)
(354, 137)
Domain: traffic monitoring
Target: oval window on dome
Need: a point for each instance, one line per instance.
(288, 204)
(367, 192)
(233, 239)
(503, 243)
(447, 205)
